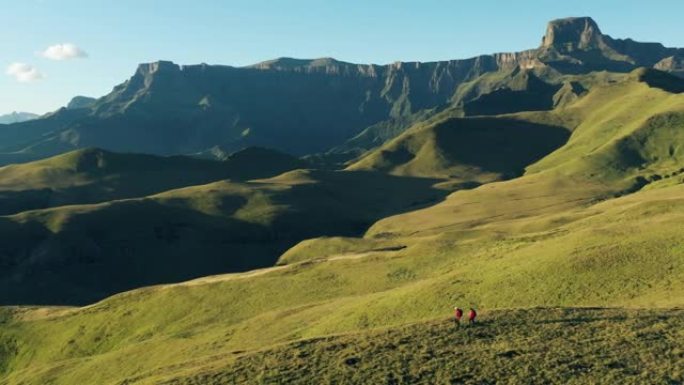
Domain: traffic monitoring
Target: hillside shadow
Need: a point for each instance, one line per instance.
(12, 202)
(506, 101)
(123, 246)
(661, 80)
(93, 176)
(97, 252)
(502, 145)
(347, 203)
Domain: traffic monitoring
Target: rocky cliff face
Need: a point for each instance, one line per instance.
(571, 34)
(673, 64)
(298, 106)
(577, 45)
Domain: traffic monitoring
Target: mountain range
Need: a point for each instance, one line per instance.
(305, 107)
(316, 219)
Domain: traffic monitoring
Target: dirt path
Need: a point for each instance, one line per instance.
(40, 312)
(232, 276)
(267, 270)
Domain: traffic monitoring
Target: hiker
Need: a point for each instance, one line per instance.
(458, 313)
(471, 316)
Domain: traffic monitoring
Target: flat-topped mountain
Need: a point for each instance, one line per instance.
(573, 33)
(576, 45)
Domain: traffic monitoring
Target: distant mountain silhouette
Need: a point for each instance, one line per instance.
(17, 117)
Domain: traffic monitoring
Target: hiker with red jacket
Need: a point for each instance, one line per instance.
(458, 313)
(471, 316)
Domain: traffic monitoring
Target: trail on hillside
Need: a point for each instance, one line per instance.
(43, 312)
(267, 270)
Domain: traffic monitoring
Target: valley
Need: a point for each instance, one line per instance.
(327, 226)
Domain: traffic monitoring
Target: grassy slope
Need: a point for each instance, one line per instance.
(544, 345)
(93, 175)
(509, 91)
(551, 238)
(615, 121)
(624, 136)
(164, 332)
(78, 254)
(471, 150)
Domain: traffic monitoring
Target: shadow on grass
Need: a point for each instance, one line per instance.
(81, 254)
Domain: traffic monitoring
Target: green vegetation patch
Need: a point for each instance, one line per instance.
(538, 345)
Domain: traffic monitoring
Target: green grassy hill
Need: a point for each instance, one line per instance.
(603, 255)
(631, 127)
(94, 175)
(492, 93)
(80, 253)
(571, 232)
(624, 136)
(540, 345)
(475, 150)
(519, 90)
(576, 266)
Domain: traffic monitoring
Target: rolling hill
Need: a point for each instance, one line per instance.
(517, 346)
(623, 139)
(232, 226)
(207, 330)
(77, 254)
(94, 175)
(596, 223)
(544, 188)
(475, 150)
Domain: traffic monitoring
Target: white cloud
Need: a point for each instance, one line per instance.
(64, 51)
(23, 72)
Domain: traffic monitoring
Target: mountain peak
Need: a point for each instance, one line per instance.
(80, 102)
(572, 33)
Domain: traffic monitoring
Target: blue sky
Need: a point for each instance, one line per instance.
(116, 35)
